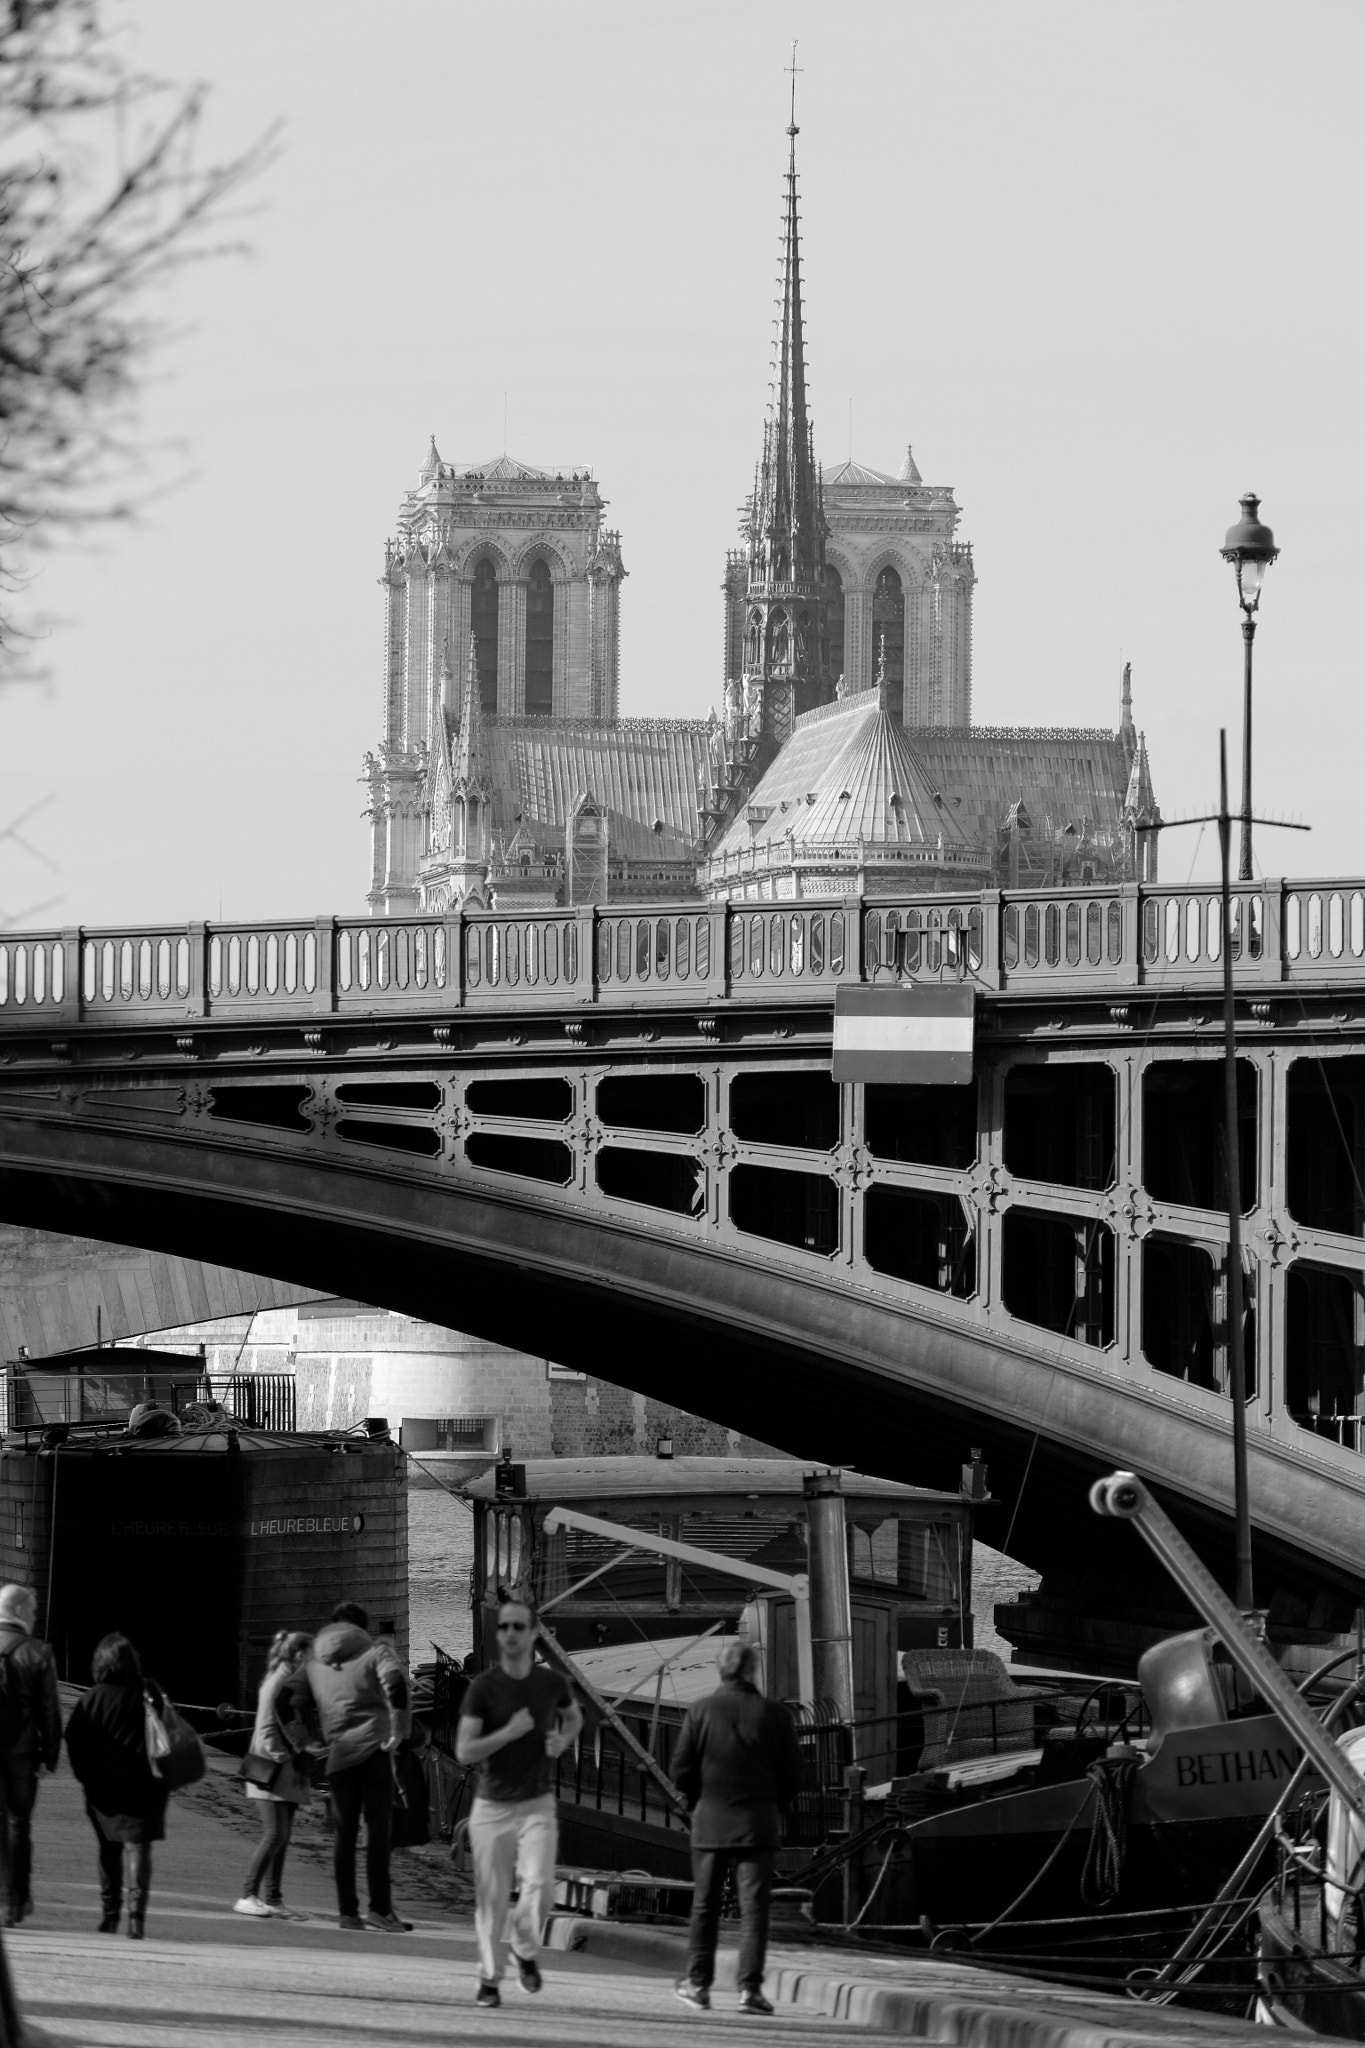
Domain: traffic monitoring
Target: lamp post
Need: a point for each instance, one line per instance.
(1250, 547)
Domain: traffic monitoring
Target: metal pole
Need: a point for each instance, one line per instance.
(1236, 1355)
(831, 1618)
(1248, 635)
(1124, 1496)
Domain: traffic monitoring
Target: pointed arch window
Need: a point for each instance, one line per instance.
(540, 640)
(888, 639)
(483, 623)
(834, 614)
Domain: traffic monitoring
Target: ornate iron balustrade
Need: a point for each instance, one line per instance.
(1070, 941)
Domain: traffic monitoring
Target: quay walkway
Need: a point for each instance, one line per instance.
(205, 1978)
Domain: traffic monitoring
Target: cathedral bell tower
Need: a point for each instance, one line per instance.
(784, 659)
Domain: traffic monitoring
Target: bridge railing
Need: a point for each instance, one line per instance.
(1064, 940)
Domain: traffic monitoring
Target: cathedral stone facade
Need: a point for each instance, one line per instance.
(843, 756)
(507, 568)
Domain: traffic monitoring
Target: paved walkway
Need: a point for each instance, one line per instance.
(206, 1978)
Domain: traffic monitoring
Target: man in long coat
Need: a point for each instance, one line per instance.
(738, 1765)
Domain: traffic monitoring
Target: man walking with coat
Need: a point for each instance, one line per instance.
(737, 1764)
(30, 1739)
(359, 1690)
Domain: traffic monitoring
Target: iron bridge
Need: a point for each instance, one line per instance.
(611, 1137)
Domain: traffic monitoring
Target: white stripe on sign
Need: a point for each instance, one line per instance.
(903, 1034)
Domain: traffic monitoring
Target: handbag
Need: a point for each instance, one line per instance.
(158, 1743)
(174, 1752)
(411, 1814)
(255, 1769)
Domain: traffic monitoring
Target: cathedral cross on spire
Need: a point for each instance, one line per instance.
(796, 70)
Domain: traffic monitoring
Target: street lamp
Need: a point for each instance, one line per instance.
(1250, 547)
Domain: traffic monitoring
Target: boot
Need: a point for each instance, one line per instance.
(111, 1903)
(137, 1893)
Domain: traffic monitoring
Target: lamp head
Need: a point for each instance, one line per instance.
(1250, 547)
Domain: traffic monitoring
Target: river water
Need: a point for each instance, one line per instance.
(441, 1552)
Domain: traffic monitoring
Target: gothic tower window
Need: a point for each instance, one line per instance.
(888, 638)
(540, 636)
(483, 623)
(779, 641)
(834, 614)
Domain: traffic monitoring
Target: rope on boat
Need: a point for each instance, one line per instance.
(952, 1935)
(1102, 1872)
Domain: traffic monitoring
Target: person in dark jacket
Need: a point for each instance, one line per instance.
(359, 1691)
(737, 1765)
(30, 1740)
(106, 1742)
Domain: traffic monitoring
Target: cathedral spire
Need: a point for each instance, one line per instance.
(468, 771)
(785, 657)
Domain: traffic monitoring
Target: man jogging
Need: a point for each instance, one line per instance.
(738, 1765)
(515, 1719)
(30, 1739)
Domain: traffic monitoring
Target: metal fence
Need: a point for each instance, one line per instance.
(1096, 937)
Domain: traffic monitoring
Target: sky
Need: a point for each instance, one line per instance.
(1099, 263)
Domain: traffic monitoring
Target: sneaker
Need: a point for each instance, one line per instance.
(350, 1923)
(487, 1994)
(390, 1923)
(283, 1912)
(692, 1994)
(754, 2001)
(528, 1969)
(253, 1908)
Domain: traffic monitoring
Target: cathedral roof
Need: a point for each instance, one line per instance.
(504, 469)
(848, 775)
(851, 472)
(643, 772)
(1067, 778)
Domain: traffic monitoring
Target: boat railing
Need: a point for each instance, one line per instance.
(601, 1773)
(33, 1399)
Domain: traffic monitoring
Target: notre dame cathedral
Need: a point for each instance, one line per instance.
(842, 757)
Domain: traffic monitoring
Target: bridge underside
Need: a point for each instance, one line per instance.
(801, 1359)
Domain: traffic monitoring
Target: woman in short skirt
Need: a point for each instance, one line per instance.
(282, 1736)
(106, 1740)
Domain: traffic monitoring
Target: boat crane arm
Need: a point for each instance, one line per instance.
(1124, 1496)
(795, 1583)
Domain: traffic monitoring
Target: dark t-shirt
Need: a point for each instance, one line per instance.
(521, 1770)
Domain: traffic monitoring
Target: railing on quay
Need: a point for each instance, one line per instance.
(1071, 941)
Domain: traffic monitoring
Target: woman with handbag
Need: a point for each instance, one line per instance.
(107, 1743)
(276, 1773)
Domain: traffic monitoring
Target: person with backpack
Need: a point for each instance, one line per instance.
(30, 1740)
(359, 1690)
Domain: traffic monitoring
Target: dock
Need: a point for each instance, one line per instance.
(206, 1978)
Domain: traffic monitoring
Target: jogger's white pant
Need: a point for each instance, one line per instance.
(512, 1838)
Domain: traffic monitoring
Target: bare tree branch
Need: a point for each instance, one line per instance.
(101, 198)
